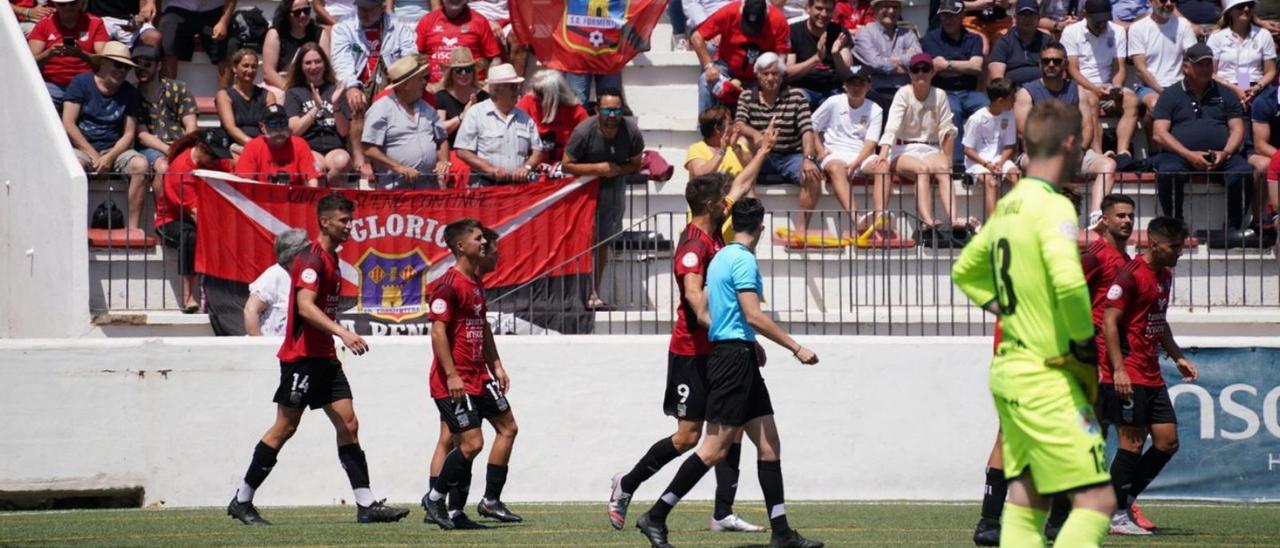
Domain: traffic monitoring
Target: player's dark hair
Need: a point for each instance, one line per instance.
(999, 88)
(1169, 228)
(748, 214)
(1109, 201)
(1056, 46)
(812, 2)
(455, 231)
(1048, 126)
(709, 121)
(334, 201)
(702, 189)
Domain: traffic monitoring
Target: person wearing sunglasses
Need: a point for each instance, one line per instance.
(456, 25)
(1096, 50)
(100, 113)
(1055, 85)
(63, 45)
(458, 91)
(277, 155)
(1245, 54)
(292, 26)
(168, 111)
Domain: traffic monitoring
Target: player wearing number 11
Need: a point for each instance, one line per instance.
(1025, 267)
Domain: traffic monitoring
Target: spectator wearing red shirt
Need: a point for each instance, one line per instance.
(176, 203)
(746, 29)
(853, 14)
(278, 156)
(453, 26)
(63, 45)
(29, 13)
(555, 109)
(1133, 395)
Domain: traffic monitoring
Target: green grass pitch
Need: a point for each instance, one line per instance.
(584, 524)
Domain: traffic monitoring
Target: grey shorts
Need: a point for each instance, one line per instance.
(122, 161)
(611, 204)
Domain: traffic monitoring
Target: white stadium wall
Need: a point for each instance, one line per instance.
(44, 278)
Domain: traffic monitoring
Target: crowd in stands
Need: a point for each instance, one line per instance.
(433, 94)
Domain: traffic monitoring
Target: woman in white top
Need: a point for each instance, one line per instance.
(1244, 52)
(265, 310)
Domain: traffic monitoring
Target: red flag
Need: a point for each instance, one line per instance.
(592, 36)
(397, 237)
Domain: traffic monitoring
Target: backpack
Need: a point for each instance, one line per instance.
(107, 216)
(249, 27)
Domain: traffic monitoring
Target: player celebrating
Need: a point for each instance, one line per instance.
(310, 373)
(1134, 396)
(686, 393)
(737, 398)
(1024, 266)
(457, 497)
(461, 383)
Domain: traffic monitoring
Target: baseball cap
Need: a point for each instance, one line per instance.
(921, 58)
(217, 141)
(754, 13)
(1028, 5)
(858, 73)
(275, 112)
(1097, 7)
(144, 51)
(1199, 52)
(953, 7)
(368, 3)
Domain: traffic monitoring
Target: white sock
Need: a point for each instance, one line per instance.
(434, 495)
(244, 493)
(454, 513)
(364, 497)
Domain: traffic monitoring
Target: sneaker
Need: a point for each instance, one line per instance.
(497, 510)
(436, 513)
(618, 503)
(379, 512)
(245, 512)
(1135, 513)
(679, 43)
(987, 533)
(655, 532)
(792, 539)
(1122, 525)
(734, 523)
(464, 522)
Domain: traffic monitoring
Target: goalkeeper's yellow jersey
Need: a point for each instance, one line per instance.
(1026, 259)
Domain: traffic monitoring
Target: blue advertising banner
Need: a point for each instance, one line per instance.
(1228, 427)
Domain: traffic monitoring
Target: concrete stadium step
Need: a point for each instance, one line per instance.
(130, 279)
(149, 323)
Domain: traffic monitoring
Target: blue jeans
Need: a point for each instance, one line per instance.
(787, 165)
(705, 99)
(56, 93)
(964, 103)
(1171, 177)
(581, 83)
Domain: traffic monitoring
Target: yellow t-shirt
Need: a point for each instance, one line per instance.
(730, 164)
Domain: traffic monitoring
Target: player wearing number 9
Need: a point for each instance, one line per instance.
(1025, 267)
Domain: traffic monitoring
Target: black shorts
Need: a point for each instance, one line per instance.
(314, 382)
(179, 27)
(463, 416)
(735, 390)
(1149, 405)
(686, 396)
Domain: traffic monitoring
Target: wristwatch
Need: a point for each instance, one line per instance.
(812, 158)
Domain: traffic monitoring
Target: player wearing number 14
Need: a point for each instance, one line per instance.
(1025, 267)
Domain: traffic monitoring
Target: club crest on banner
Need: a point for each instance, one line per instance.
(594, 26)
(392, 286)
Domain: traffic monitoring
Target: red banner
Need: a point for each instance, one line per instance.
(592, 36)
(397, 244)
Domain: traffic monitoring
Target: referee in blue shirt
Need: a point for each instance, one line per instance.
(738, 400)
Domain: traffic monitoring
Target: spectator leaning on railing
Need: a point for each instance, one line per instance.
(1096, 51)
(746, 29)
(555, 109)
(1016, 56)
(820, 54)
(885, 48)
(849, 126)
(64, 44)
(312, 103)
(610, 147)
(183, 20)
(1200, 125)
(1245, 54)
(957, 62)
(266, 309)
(404, 139)
(458, 91)
(363, 47)
(242, 104)
(177, 200)
(453, 26)
(291, 27)
(499, 141)
(100, 113)
(168, 111)
(277, 156)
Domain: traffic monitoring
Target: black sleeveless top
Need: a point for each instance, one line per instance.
(248, 113)
(1069, 94)
(289, 45)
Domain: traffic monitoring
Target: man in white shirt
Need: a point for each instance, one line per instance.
(266, 309)
(990, 136)
(849, 126)
(1156, 44)
(1095, 60)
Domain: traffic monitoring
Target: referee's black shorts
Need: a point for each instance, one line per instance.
(736, 391)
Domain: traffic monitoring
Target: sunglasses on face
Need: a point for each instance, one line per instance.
(463, 70)
(611, 111)
(921, 69)
(1051, 61)
(117, 65)
(300, 12)
(276, 124)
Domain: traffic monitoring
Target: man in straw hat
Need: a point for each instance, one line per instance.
(99, 112)
(499, 141)
(403, 137)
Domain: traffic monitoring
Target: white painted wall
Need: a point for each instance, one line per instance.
(879, 418)
(44, 276)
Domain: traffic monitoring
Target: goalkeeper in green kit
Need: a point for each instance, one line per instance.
(1025, 267)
